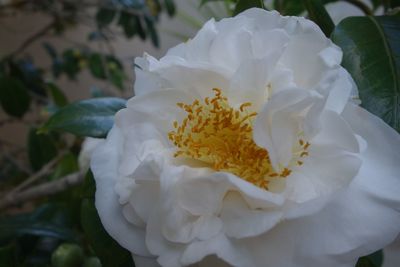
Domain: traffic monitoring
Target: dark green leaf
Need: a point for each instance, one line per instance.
(111, 254)
(92, 117)
(129, 24)
(318, 14)
(289, 7)
(96, 66)
(105, 16)
(88, 188)
(152, 31)
(68, 164)
(41, 149)
(242, 5)
(57, 95)
(170, 6)
(70, 64)
(371, 47)
(8, 257)
(372, 260)
(14, 97)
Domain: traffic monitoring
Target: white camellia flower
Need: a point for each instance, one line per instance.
(243, 147)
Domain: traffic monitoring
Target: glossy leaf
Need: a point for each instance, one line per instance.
(318, 14)
(14, 97)
(242, 5)
(92, 117)
(371, 47)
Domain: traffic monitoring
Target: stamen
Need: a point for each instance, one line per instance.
(222, 137)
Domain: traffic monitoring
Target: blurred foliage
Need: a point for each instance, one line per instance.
(64, 229)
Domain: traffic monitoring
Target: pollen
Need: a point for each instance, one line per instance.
(222, 137)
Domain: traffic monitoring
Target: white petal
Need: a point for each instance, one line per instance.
(240, 221)
(104, 165)
(145, 261)
(276, 128)
(219, 246)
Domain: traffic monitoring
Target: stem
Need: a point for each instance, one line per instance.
(43, 190)
(46, 169)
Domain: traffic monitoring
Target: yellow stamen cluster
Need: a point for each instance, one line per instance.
(221, 136)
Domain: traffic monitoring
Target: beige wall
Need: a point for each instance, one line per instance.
(15, 29)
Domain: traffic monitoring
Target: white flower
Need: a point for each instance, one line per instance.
(87, 149)
(243, 147)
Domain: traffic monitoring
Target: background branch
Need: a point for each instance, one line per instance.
(43, 190)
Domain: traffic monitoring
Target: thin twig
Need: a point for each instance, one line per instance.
(43, 190)
(33, 38)
(46, 169)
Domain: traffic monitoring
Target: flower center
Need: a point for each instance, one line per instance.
(221, 136)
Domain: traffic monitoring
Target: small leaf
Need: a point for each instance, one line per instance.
(14, 97)
(242, 5)
(129, 24)
(41, 149)
(318, 14)
(96, 66)
(92, 117)
(67, 164)
(373, 260)
(373, 62)
(170, 6)
(110, 253)
(56, 94)
(152, 31)
(105, 16)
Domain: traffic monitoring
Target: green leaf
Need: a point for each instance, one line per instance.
(8, 256)
(152, 31)
(110, 253)
(289, 7)
(318, 14)
(242, 5)
(170, 6)
(88, 188)
(56, 94)
(104, 16)
(18, 225)
(92, 117)
(129, 23)
(14, 97)
(68, 164)
(373, 260)
(96, 66)
(371, 47)
(41, 149)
